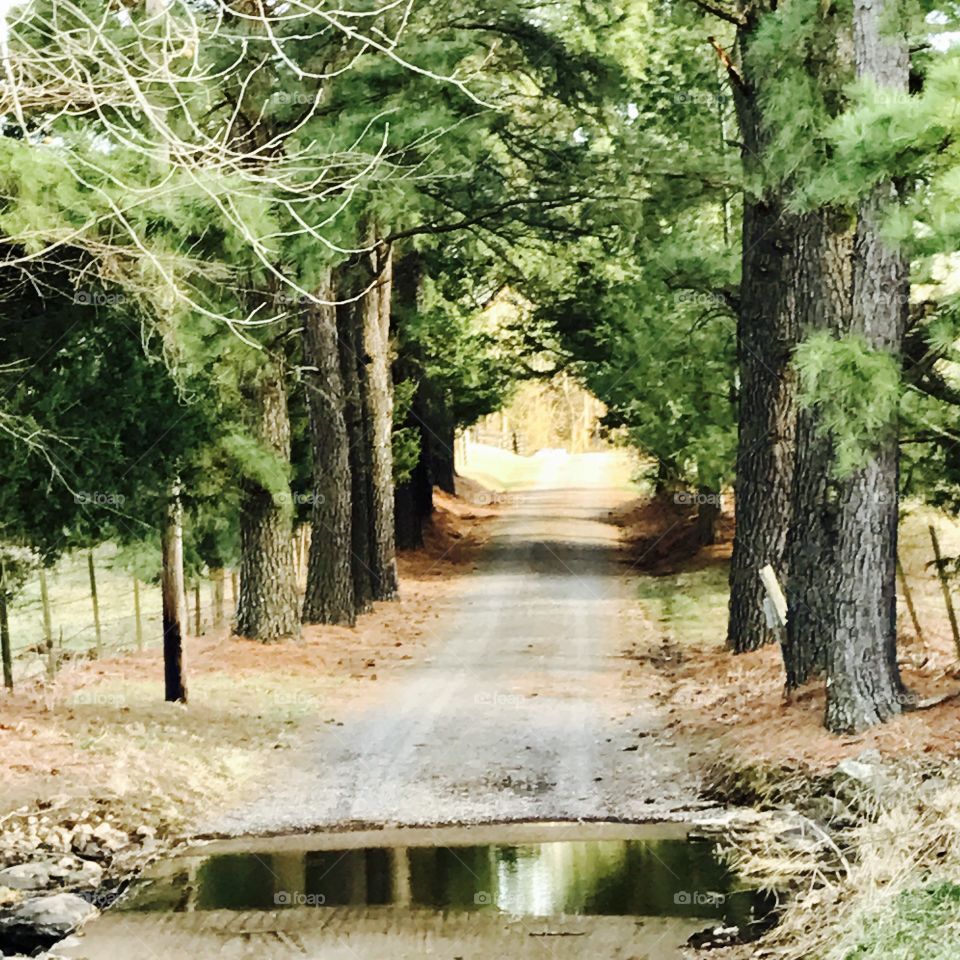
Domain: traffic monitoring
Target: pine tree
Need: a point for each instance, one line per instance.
(863, 679)
(330, 587)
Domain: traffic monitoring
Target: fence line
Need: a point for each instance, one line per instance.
(47, 602)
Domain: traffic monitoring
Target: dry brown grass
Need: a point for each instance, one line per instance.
(837, 884)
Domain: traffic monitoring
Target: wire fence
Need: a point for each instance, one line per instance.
(88, 605)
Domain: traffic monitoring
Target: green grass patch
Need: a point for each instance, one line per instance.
(921, 924)
(691, 606)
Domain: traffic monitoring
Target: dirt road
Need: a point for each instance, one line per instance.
(521, 711)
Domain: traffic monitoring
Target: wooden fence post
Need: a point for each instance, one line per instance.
(47, 625)
(138, 621)
(174, 599)
(945, 587)
(908, 597)
(96, 603)
(217, 576)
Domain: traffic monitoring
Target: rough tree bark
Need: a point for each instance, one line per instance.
(413, 499)
(823, 280)
(377, 387)
(350, 344)
(441, 454)
(409, 528)
(174, 599)
(708, 515)
(422, 478)
(863, 680)
(766, 336)
(268, 609)
(329, 593)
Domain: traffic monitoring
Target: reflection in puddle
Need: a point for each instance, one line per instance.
(665, 878)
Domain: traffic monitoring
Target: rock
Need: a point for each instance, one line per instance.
(58, 838)
(40, 922)
(715, 938)
(858, 770)
(72, 871)
(9, 896)
(62, 868)
(930, 788)
(80, 836)
(148, 847)
(110, 837)
(829, 810)
(801, 839)
(26, 876)
(87, 874)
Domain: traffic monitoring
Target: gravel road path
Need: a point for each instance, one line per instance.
(520, 712)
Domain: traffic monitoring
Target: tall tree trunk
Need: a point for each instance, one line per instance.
(378, 409)
(268, 608)
(666, 479)
(422, 478)
(414, 498)
(174, 599)
(441, 454)
(409, 525)
(823, 282)
(766, 336)
(329, 594)
(352, 370)
(5, 653)
(708, 515)
(48, 622)
(95, 601)
(863, 679)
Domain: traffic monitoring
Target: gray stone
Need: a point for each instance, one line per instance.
(26, 876)
(933, 786)
(108, 837)
(89, 872)
(829, 810)
(857, 770)
(41, 921)
(801, 838)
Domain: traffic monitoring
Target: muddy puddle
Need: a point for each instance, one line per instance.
(604, 887)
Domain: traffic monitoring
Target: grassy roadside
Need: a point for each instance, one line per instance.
(71, 609)
(862, 832)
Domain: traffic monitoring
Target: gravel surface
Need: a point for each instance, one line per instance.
(520, 711)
